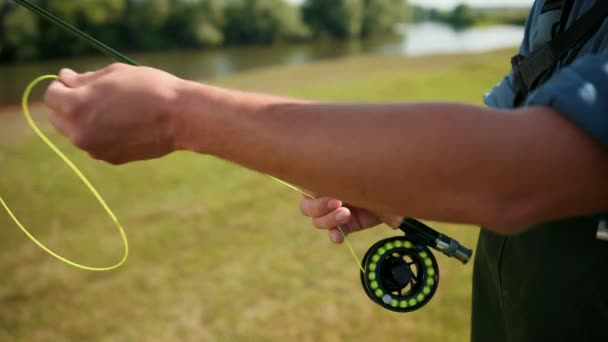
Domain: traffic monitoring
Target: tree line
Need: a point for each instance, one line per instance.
(463, 16)
(155, 25)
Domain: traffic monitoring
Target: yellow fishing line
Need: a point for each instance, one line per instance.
(87, 183)
(350, 247)
(28, 117)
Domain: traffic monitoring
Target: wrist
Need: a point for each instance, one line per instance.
(190, 106)
(176, 107)
(209, 119)
(206, 118)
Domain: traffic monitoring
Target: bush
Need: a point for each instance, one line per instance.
(152, 25)
(262, 22)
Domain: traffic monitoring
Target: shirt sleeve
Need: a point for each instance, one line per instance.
(501, 96)
(579, 93)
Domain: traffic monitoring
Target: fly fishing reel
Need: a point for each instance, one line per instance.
(401, 273)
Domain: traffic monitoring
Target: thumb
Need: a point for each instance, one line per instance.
(72, 79)
(69, 78)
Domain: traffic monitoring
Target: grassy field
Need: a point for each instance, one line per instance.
(219, 253)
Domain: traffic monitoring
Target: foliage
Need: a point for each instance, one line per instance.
(381, 16)
(352, 19)
(268, 21)
(17, 34)
(338, 18)
(463, 16)
(152, 25)
(196, 23)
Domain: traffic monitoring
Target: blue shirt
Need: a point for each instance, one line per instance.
(577, 91)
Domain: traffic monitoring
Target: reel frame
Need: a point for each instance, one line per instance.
(401, 273)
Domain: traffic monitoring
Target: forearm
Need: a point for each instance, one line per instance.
(437, 161)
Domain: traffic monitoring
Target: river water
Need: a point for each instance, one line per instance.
(412, 40)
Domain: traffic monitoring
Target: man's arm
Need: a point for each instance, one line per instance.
(439, 161)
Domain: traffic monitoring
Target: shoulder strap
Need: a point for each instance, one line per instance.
(530, 70)
(566, 7)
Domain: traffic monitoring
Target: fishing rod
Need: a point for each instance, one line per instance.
(399, 273)
(100, 46)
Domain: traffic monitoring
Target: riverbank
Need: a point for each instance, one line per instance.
(209, 64)
(217, 252)
(280, 79)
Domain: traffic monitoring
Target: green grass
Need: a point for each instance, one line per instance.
(219, 253)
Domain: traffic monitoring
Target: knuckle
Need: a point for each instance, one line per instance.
(51, 92)
(304, 207)
(81, 140)
(73, 107)
(116, 66)
(315, 207)
(317, 224)
(70, 110)
(320, 223)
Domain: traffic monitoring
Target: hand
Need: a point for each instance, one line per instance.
(118, 114)
(328, 213)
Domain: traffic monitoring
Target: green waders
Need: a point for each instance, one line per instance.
(549, 284)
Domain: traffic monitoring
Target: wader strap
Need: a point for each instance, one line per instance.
(533, 70)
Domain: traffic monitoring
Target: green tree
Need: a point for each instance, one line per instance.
(196, 23)
(100, 18)
(4, 10)
(380, 16)
(341, 19)
(265, 22)
(144, 21)
(462, 16)
(19, 32)
(152, 25)
(103, 19)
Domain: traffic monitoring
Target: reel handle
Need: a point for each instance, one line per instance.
(453, 249)
(441, 242)
(426, 235)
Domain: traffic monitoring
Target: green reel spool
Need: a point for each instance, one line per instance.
(401, 273)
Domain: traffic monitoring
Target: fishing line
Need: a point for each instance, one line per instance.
(121, 58)
(81, 176)
(348, 244)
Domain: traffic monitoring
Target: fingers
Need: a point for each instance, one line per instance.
(73, 79)
(336, 236)
(60, 125)
(60, 98)
(318, 207)
(327, 213)
(67, 95)
(68, 77)
(333, 219)
(66, 105)
(336, 223)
